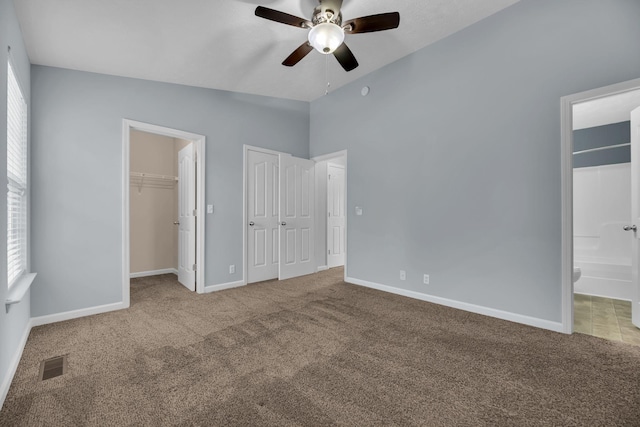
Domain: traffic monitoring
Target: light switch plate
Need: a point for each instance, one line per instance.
(209, 208)
(358, 210)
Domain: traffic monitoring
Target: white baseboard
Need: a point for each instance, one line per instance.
(223, 286)
(322, 268)
(13, 365)
(74, 314)
(153, 273)
(478, 309)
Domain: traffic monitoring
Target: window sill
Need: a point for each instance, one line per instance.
(18, 290)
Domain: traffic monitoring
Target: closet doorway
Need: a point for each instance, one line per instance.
(163, 188)
(279, 215)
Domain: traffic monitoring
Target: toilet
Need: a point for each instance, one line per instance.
(576, 274)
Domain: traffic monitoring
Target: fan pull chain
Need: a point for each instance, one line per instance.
(326, 74)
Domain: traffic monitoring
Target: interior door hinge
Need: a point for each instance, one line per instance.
(329, 177)
(195, 212)
(329, 251)
(195, 267)
(329, 214)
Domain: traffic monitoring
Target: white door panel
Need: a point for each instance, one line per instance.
(335, 216)
(186, 217)
(262, 216)
(635, 214)
(296, 217)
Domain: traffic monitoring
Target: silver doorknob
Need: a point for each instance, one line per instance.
(283, 223)
(176, 222)
(252, 223)
(630, 228)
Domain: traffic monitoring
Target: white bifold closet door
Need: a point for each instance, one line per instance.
(186, 217)
(296, 217)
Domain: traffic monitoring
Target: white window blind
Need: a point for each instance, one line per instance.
(16, 179)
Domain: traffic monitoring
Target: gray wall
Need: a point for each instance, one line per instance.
(455, 154)
(602, 136)
(13, 324)
(77, 170)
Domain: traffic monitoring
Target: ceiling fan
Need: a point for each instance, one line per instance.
(327, 31)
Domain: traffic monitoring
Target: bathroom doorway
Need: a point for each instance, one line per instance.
(603, 234)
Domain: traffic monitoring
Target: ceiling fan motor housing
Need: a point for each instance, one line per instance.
(324, 14)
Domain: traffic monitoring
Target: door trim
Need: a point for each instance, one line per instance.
(321, 158)
(245, 205)
(566, 156)
(199, 145)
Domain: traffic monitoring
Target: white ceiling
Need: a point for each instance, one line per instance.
(221, 44)
(604, 111)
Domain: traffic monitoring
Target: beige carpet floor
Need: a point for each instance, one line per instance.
(316, 351)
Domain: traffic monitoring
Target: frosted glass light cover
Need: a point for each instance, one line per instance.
(326, 38)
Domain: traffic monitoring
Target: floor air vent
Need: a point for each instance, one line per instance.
(53, 367)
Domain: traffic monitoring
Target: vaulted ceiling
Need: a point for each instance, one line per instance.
(221, 44)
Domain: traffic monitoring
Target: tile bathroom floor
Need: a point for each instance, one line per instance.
(604, 318)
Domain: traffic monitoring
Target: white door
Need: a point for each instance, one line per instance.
(635, 214)
(262, 216)
(335, 215)
(296, 217)
(186, 217)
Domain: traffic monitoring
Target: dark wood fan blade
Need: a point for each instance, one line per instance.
(297, 55)
(345, 57)
(283, 18)
(369, 24)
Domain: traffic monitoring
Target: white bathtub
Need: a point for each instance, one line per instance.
(601, 248)
(604, 277)
(605, 262)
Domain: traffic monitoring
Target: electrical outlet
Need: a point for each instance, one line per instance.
(426, 279)
(403, 275)
(232, 269)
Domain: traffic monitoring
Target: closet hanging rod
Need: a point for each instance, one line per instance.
(153, 176)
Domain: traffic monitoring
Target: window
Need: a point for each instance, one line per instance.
(16, 179)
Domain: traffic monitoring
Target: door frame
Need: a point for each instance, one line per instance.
(321, 158)
(199, 146)
(245, 205)
(566, 156)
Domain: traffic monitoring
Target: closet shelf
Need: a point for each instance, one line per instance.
(151, 180)
(152, 176)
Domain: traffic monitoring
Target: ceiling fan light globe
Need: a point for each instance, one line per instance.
(326, 37)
